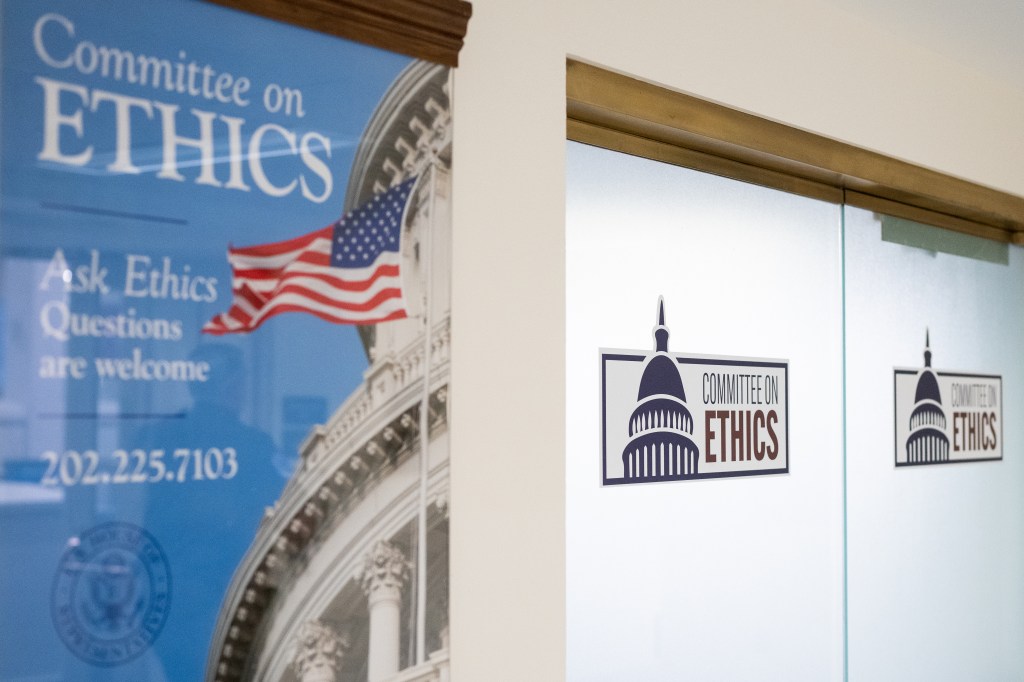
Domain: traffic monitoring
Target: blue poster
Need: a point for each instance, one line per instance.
(214, 297)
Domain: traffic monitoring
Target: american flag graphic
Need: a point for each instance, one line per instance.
(347, 273)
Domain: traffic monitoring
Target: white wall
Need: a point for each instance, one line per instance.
(804, 63)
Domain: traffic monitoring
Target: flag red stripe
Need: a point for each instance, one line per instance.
(345, 310)
(311, 257)
(278, 248)
(239, 314)
(328, 277)
(251, 296)
(373, 302)
(219, 325)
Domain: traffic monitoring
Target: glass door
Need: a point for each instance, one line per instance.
(935, 478)
(736, 576)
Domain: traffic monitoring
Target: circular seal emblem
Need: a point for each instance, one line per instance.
(112, 593)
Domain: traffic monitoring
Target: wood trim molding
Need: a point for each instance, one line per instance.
(426, 29)
(608, 109)
(617, 140)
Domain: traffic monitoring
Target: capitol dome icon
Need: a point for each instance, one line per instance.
(660, 446)
(927, 441)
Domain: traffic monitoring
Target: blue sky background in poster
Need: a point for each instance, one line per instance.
(100, 187)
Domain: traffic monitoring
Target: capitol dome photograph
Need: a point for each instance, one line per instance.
(346, 579)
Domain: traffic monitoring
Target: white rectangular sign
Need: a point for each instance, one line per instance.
(669, 416)
(944, 417)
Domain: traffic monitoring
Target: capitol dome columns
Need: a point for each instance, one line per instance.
(317, 653)
(385, 573)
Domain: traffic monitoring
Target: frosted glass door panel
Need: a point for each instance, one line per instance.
(936, 551)
(718, 579)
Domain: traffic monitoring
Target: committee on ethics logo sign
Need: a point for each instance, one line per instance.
(944, 417)
(671, 417)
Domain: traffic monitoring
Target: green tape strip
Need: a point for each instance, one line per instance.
(909, 233)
